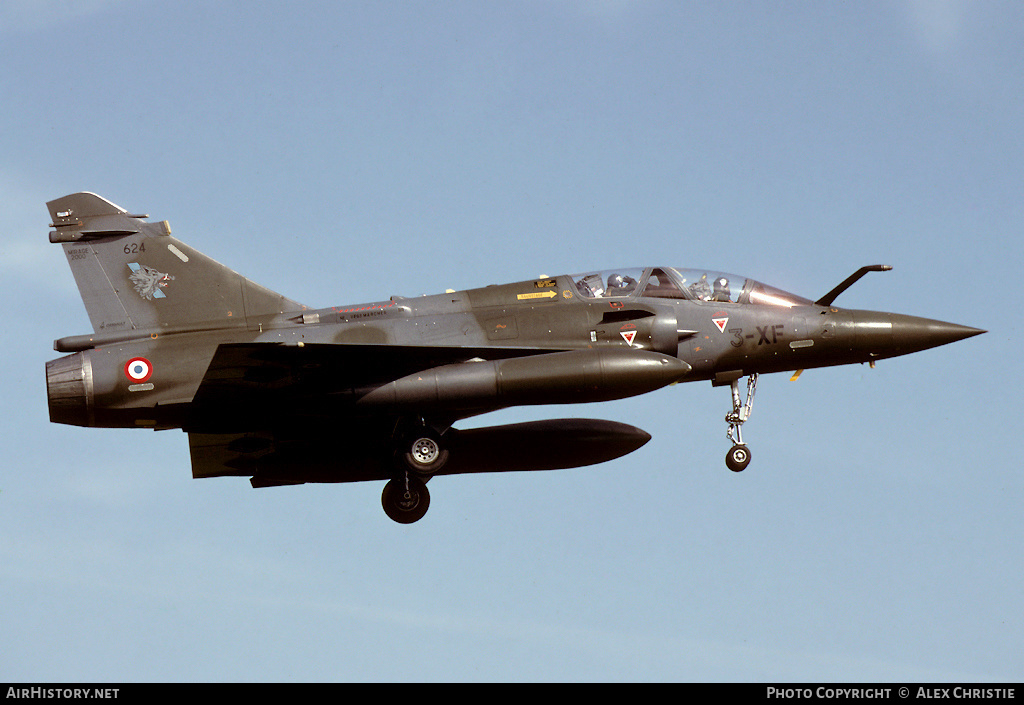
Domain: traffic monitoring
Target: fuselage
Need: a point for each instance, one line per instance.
(555, 339)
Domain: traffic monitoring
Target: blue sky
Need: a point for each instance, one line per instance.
(342, 152)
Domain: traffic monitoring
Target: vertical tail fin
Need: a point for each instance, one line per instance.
(134, 275)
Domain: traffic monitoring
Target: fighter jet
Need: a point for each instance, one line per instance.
(273, 390)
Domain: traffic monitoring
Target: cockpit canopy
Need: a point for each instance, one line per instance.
(689, 284)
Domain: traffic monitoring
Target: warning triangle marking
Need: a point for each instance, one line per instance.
(628, 336)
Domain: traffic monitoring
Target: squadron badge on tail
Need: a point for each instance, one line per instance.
(148, 282)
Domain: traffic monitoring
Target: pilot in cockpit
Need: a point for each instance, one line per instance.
(620, 285)
(721, 290)
(700, 289)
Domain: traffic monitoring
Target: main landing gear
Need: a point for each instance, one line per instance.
(421, 450)
(405, 499)
(738, 456)
(419, 453)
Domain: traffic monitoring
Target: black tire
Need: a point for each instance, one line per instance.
(738, 458)
(405, 508)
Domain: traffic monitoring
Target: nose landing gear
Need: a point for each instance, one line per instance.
(738, 456)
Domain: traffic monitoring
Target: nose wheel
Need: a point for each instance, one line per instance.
(738, 456)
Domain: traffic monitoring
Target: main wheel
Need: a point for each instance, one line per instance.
(405, 506)
(738, 458)
(422, 452)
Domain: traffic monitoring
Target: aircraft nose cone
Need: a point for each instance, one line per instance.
(891, 334)
(911, 333)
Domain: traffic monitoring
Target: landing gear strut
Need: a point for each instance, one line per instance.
(738, 456)
(419, 452)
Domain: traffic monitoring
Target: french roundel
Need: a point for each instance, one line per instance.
(138, 369)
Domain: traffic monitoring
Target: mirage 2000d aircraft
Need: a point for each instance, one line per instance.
(269, 389)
